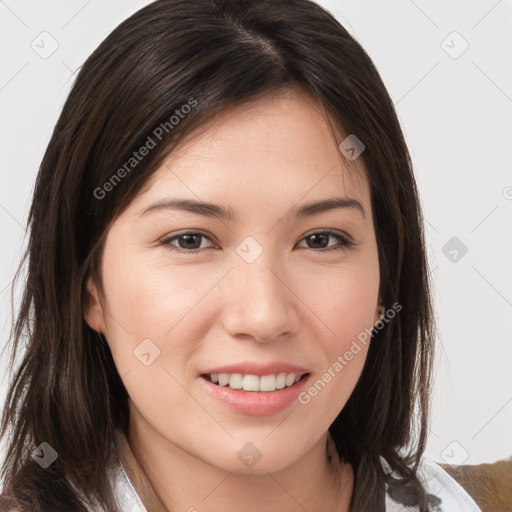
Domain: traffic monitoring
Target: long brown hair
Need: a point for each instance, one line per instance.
(207, 54)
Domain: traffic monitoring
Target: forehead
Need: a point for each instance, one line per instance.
(276, 148)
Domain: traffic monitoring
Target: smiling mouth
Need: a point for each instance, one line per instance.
(255, 383)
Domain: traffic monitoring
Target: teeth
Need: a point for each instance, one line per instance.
(235, 381)
(281, 381)
(253, 382)
(267, 383)
(290, 379)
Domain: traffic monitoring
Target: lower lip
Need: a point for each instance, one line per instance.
(256, 403)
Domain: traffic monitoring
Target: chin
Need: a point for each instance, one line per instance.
(261, 467)
(249, 460)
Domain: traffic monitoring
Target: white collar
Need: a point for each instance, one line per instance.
(453, 498)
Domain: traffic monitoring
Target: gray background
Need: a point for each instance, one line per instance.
(448, 68)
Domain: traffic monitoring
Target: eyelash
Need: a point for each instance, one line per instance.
(345, 243)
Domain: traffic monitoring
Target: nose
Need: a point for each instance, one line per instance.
(259, 302)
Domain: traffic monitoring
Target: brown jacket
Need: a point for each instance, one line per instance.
(490, 485)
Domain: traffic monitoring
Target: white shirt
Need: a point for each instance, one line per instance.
(453, 498)
(435, 479)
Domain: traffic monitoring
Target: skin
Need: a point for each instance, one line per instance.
(295, 302)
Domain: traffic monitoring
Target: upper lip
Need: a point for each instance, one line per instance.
(259, 369)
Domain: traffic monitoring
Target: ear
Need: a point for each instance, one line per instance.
(93, 310)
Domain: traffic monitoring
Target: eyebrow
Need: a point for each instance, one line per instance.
(220, 212)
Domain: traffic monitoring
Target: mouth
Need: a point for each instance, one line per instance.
(255, 383)
(256, 392)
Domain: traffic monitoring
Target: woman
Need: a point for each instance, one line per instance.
(190, 347)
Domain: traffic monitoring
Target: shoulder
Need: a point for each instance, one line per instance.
(447, 494)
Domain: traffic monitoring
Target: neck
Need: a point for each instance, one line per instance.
(169, 479)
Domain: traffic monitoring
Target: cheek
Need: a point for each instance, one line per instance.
(140, 297)
(349, 315)
(345, 301)
(353, 313)
(152, 332)
(148, 300)
(348, 310)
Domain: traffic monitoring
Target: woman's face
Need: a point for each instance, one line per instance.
(264, 291)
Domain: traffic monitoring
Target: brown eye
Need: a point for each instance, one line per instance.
(320, 240)
(189, 242)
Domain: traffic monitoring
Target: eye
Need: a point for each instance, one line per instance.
(190, 242)
(322, 237)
